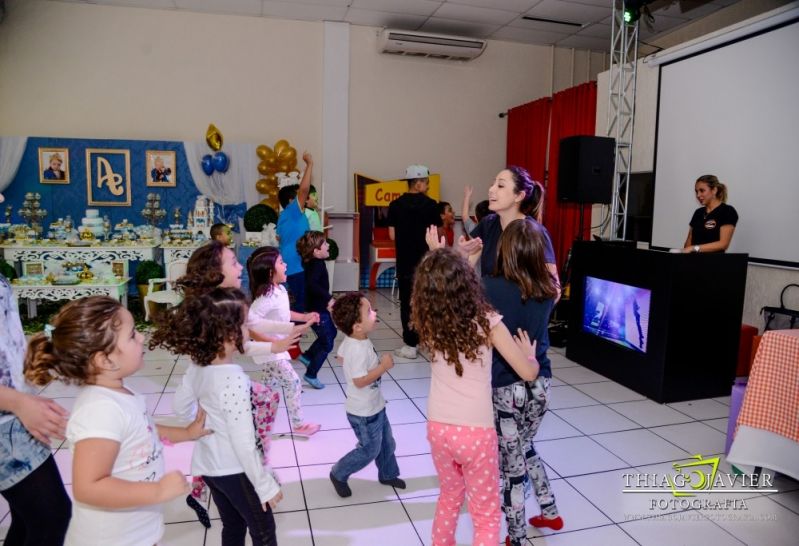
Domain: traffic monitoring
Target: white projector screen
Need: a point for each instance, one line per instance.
(733, 112)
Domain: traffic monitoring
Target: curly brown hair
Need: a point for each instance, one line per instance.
(448, 307)
(204, 270)
(310, 241)
(521, 260)
(347, 312)
(201, 325)
(81, 329)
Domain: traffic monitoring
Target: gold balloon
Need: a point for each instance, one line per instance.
(263, 168)
(264, 151)
(271, 178)
(293, 165)
(287, 154)
(282, 166)
(271, 161)
(214, 138)
(270, 201)
(262, 186)
(280, 145)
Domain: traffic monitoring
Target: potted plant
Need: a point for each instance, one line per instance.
(146, 270)
(7, 270)
(331, 260)
(256, 218)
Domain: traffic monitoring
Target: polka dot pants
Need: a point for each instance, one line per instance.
(466, 460)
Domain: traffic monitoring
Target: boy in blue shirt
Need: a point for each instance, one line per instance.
(291, 225)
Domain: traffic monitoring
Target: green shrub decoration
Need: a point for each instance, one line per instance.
(258, 216)
(147, 270)
(333, 249)
(7, 270)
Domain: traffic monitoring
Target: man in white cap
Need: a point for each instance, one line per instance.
(408, 218)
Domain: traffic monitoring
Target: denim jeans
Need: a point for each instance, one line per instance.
(325, 335)
(296, 287)
(240, 509)
(375, 443)
(40, 508)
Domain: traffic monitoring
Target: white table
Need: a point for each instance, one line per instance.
(117, 289)
(87, 254)
(179, 252)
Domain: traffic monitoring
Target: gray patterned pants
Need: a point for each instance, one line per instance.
(518, 411)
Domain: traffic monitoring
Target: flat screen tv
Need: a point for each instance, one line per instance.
(617, 312)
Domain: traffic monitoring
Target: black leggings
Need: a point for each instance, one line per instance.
(240, 510)
(40, 508)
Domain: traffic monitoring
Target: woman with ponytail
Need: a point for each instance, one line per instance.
(712, 224)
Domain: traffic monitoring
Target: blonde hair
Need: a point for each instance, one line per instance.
(712, 182)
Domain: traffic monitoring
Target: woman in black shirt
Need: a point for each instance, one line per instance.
(712, 224)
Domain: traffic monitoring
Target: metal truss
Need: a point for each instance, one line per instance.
(621, 111)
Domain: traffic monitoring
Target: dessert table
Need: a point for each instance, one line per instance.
(768, 424)
(115, 288)
(88, 254)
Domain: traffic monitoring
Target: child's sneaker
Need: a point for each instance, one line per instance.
(342, 488)
(406, 352)
(556, 523)
(314, 382)
(306, 429)
(304, 359)
(396, 482)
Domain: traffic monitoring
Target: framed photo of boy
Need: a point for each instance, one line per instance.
(32, 269)
(54, 165)
(161, 171)
(119, 268)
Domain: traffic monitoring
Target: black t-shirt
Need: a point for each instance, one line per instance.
(706, 228)
(410, 215)
(531, 316)
(489, 230)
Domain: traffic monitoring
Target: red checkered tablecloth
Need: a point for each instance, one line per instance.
(772, 394)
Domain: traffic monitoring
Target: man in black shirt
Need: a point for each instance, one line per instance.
(409, 216)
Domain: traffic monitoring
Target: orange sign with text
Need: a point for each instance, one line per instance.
(383, 193)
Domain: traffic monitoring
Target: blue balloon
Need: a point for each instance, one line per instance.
(221, 162)
(208, 164)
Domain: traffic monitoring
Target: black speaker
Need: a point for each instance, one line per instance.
(585, 169)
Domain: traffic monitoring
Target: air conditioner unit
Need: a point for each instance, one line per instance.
(425, 44)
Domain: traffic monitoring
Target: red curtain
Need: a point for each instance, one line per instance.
(573, 114)
(528, 129)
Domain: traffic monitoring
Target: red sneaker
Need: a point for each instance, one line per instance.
(556, 523)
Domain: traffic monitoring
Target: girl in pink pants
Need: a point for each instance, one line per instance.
(458, 326)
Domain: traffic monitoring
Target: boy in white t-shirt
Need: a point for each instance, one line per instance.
(366, 407)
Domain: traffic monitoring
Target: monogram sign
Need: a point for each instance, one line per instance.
(108, 177)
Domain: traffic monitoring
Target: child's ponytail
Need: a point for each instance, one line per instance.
(40, 362)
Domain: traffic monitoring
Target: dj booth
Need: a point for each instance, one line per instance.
(665, 325)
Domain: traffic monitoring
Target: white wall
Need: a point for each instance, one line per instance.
(83, 70)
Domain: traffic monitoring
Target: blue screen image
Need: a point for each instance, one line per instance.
(617, 312)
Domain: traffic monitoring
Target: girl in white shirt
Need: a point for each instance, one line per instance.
(118, 478)
(211, 328)
(270, 314)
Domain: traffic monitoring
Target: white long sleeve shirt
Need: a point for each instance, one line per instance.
(223, 391)
(271, 315)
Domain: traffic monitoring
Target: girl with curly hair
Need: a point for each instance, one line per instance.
(211, 329)
(118, 477)
(459, 327)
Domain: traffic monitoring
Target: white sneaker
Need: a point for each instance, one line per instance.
(405, 352)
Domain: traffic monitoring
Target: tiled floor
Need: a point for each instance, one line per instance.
(596, 432)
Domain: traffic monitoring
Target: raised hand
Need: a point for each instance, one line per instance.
(469, 247)
(432, 239)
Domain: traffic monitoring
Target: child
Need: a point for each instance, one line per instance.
(118, 477)
(221, 232)
(481, 210)
(291, 224)
(270, 308)
(311, 211)
(313, 248)
(459, 327)
(29, 478)
(210, 329)
(447, 222)
(523, 291)
(366, 408)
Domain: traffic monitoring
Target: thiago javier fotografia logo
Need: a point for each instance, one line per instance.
(697, 484)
